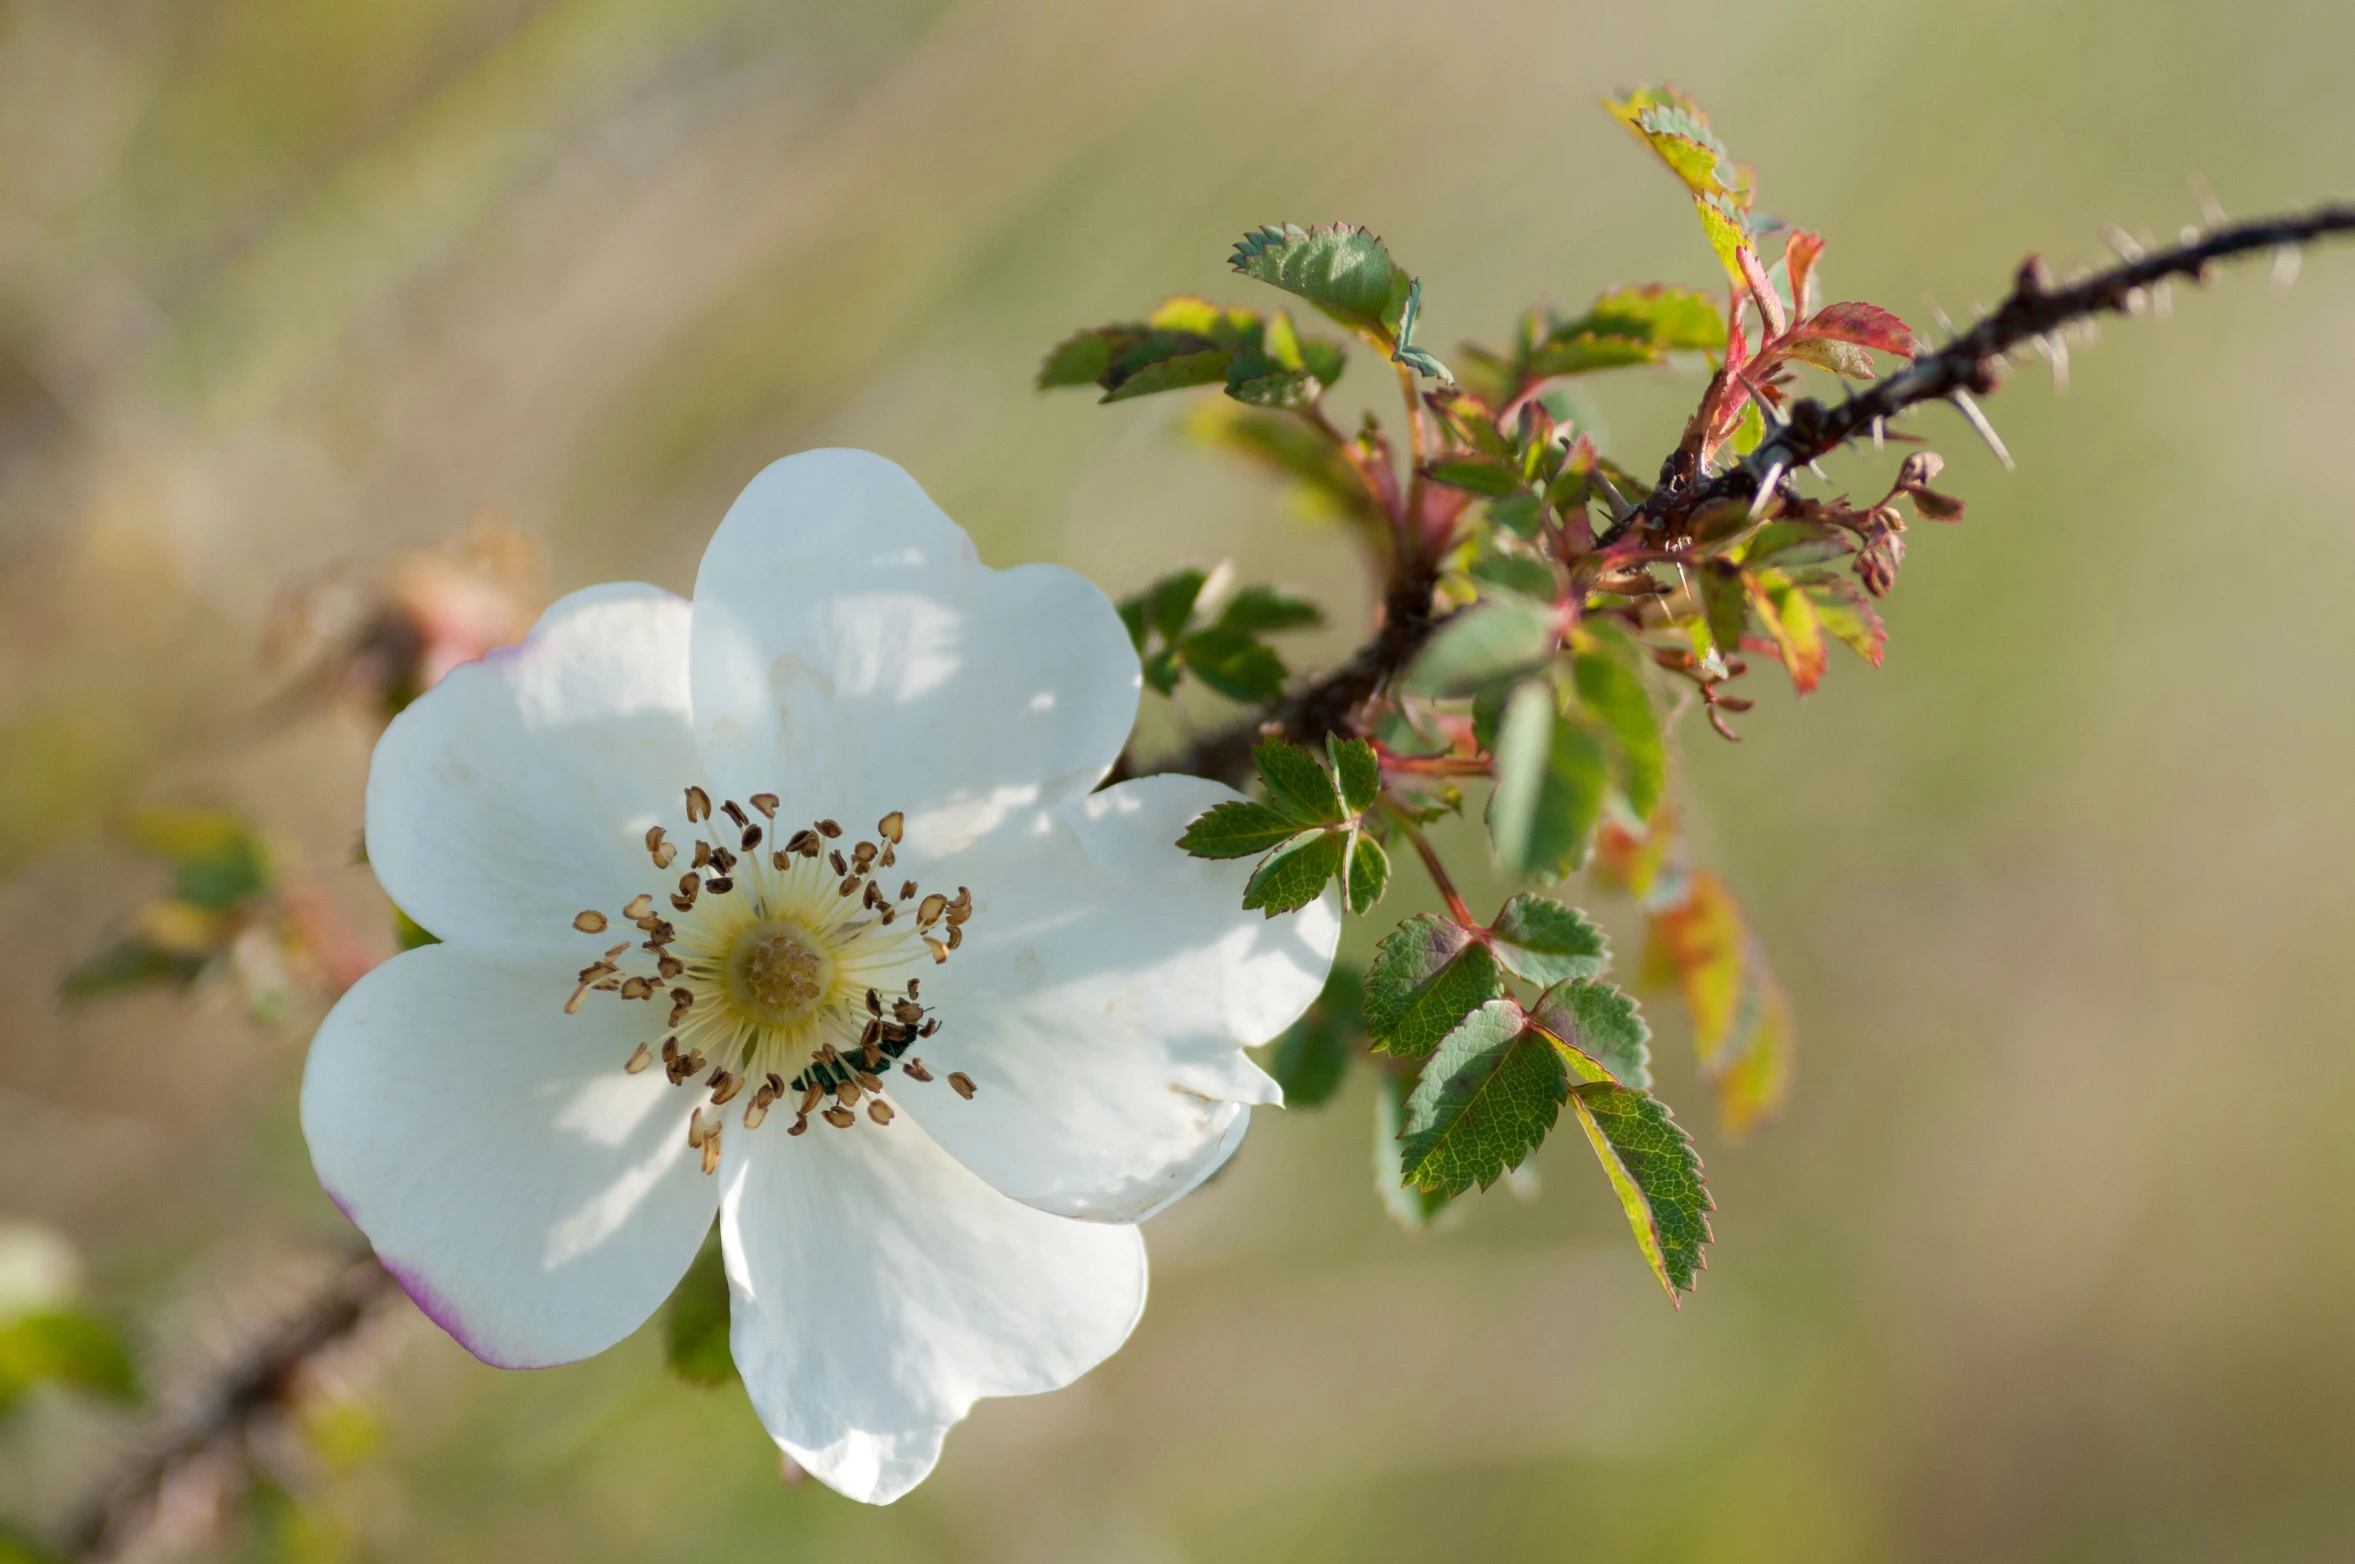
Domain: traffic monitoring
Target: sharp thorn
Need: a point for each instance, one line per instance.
(2123, 242)
(2287, 262)
(1880, 432)
(1985, 430)
(2211, 209)
(1766, 489)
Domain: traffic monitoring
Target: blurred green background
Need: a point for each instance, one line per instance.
(2049, 1259)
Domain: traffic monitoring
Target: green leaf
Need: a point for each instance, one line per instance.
(1485, 1100)
(1488, 644)
(1725, 607)
(1674, 127)
(1295, 874)
(1587, 351)
(1080, 359)
(1542, 940)
(1174, 372)
(1550, 778)
(219, 861)
(1342, 270)
(1358, 769)
(1787, 545)
(1515, 573)
(1603, 1025)
(1225, 325)
(1657, 1175)
(1670, 319)
(1843, 611)
(1479, 475)
(1312, 1055)
(1750, 431)
(1428, 974)
(1297, 785)
(1262, 609)
(409, 934)
(1789, 616)
(1413, 357)
(1743, 1034)
(695, 1322)
(63, 1347)
(1238, 829)
(1234, 664)
(1322, 478)
(1169, 602)
(128, 963)
(1368, 873)
(1161, 670)
(1617, 697)
(1408, 1206)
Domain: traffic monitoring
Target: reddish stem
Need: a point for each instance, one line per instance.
(1438, 871)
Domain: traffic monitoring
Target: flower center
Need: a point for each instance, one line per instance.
(795, 973)
(778, 972)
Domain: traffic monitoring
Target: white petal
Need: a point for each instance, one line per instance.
(878, 1289)
(517, 792)
(853, 655)
(535, 1200)
(1102, 999)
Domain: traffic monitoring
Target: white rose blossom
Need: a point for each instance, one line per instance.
(798, 904)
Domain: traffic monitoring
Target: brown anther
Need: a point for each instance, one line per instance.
(801, 1123)
(888, 915)
(702, 854)
(654, 838)
(670, 1049)
(872, 1035)
(606, 987)
(617, 950)
(735, 812)
(720, 885)
(758, 1111)
(879, 1111)
(961, 1084)
(695, 1129)
(804, 842)
(637, 988)
(962, 907)
(776, 1084)
(874, 1003)
(956, 935)
(907, 1012)
(863, 856)
(593, 971)
(828, 829)
(682, 1001)
(695, 1062)
(751, 838)
(640, 1060)
(777, 860)
(711, 1152)
(810, 1100)
(766, 803)
(929, 1027)
(890, 826)
(641, 906)
(872, 898)
(670, 967)
(840, 1118)
(840, 863)
(912, 993)
(889, 857)
(723, 860)
(683, 903)
(849, 883)
(676, 1071)
(725, 1087)
(872, 1056)
(868, 1079)
(666, 855)
(826, 1052)
(907, 889)
(591, 922)
(847, 1093)
(698, 806)
(929, 912)
(940, 952)
(689, 884)
(916, 1070)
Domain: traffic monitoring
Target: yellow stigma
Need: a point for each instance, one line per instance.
(778, 972)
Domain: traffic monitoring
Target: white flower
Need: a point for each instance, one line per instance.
(798, 904)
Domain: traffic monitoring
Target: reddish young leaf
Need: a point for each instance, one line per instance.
(1800, 251)
(1791, 619)
(1867, 325)
(1770, 307)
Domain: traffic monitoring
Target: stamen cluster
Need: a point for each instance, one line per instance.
(776, 967)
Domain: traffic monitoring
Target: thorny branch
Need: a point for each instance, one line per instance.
(257, 1385)
(1969, 365)
(1972, 364)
